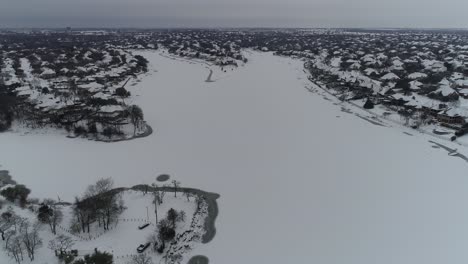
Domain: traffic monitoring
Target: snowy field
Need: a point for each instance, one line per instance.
(301, 181)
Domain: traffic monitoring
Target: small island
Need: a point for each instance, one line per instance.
(142, 224)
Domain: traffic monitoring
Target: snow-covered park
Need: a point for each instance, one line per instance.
(302, 178)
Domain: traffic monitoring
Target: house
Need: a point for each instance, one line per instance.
(371, 71)
(92, 87)
(462, 83)
(415, 85)
(463, 93)
(64, 70)
(417, 76)
(451, 119)
(23, 92)
(430, 111)
(395, 100)
(451, 116)
(457, 76)
(47, 73)
(390, 77)
(444, 92)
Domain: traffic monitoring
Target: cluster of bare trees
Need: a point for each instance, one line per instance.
(18, 193)
(50, 214)
(100, 204)
(141, 259)
(20, 236)
(136, 117)
(159, 193)
(61, 244)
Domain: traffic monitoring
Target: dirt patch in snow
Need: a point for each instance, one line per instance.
(199, 260)
(163, 178)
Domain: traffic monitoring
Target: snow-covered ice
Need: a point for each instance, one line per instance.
(297, 184)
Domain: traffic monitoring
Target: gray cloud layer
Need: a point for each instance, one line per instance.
(234, 13)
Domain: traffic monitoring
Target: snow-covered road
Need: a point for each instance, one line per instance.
(297, 184)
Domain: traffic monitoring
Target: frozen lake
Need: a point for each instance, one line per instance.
(297, 184)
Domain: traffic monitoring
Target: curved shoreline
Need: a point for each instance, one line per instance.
(379, 116)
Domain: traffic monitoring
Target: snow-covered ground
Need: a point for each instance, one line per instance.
(300, 180)
(124, 235)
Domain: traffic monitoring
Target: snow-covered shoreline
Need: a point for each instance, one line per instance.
(380, 119)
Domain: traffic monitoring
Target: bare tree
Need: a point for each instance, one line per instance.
(141, 259)
(158, 197)
(176, 186)
(10, 221)
(56, 219)
(8, 236)
(61, 244)
(83, 210)
(109, 204)
(100, 203)
(20, 223)
(163, 190)
(6, 222)
(174, 216)
(136, 116)
(181, 217)
(51, 214)
(30, 237)
(15, 249)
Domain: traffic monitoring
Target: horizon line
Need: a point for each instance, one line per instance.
(229, 27)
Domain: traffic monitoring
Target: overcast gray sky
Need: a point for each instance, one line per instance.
(234, 13)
